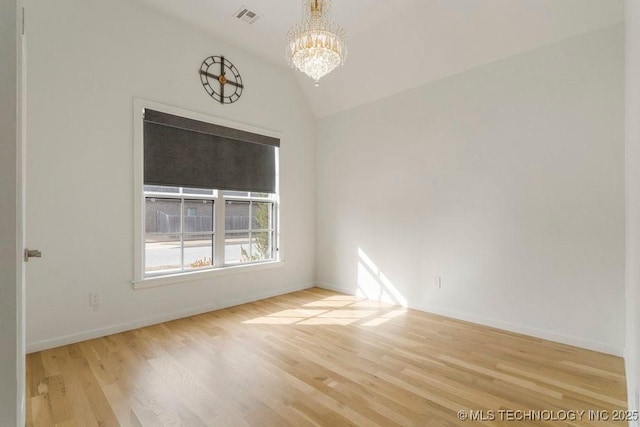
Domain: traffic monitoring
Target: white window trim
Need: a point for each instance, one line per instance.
(139, 280)
(173, 279)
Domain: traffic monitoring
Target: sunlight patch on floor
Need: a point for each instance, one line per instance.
(335, 310)
(330, 303)
(349, 314)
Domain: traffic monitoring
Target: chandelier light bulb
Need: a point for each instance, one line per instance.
(316, 46)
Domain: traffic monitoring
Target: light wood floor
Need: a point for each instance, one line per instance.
(315, 358)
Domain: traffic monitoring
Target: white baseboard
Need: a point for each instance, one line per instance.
(532, 332)
(140, 323)
(506, 326)
(331, 287)
(127, 326)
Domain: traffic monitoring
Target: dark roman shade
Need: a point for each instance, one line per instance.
(183, 152)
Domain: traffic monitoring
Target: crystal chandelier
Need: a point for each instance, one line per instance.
(316, 45)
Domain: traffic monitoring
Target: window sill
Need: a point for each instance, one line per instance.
(174, 279)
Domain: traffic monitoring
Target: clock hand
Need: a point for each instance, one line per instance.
(222, 79)
(235, 84)
(213, 76)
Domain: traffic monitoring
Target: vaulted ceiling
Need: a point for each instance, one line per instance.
(396, 45)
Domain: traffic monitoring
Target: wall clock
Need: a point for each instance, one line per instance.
(221, 79)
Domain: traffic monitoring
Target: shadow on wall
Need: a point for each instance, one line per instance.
(374, 285)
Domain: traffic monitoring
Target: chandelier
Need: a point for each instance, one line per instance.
(316, 45)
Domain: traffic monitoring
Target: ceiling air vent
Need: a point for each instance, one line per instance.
(247, 15)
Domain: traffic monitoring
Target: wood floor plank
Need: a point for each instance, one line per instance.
(61, 407)
(315, 358)
(41, 411)
(36, 375)
(80, 401)
(121, 407)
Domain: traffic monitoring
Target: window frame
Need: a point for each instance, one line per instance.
(182, 198)
(142, 280)
(272, 230)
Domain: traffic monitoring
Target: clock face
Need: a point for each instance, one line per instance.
(221, 79)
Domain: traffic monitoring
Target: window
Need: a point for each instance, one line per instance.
(249, 228)
(180, 232)
(208, 196)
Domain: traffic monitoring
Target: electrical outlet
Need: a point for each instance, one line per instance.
(95, 300)
(437, 282)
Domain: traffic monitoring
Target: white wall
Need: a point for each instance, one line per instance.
(87, 61)
(632, 199)
(506, 181)
(11, 340)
